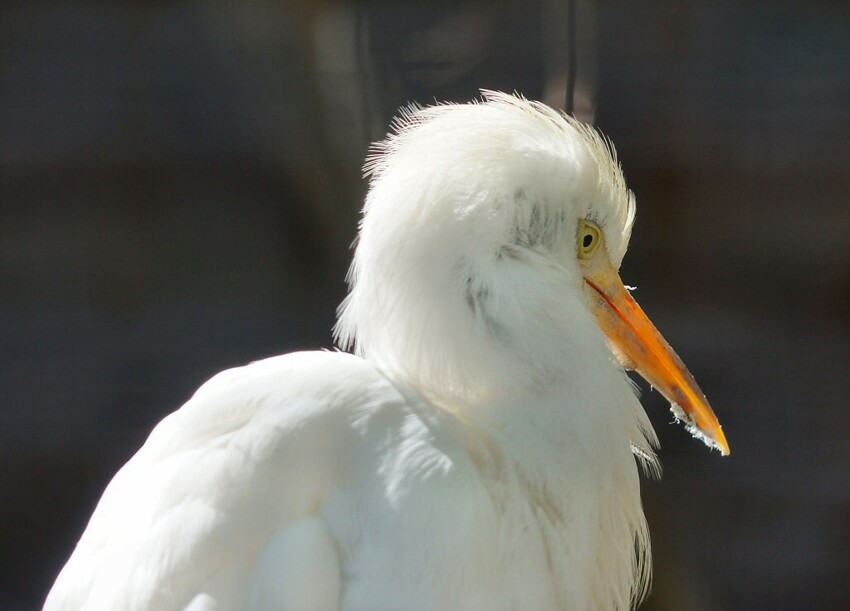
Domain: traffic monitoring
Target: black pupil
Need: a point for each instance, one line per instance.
(587, 240)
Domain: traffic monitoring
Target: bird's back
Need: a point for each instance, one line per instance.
(212, 494)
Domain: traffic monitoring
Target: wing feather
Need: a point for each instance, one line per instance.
(231, 477)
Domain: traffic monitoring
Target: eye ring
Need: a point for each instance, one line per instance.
(589, 238)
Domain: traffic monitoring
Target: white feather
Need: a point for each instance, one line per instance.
(475, 454)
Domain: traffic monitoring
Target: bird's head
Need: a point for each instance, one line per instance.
(488, 258)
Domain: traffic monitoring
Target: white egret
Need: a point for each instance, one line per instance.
(478, 451)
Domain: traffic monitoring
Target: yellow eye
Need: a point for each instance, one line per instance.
(589, 238)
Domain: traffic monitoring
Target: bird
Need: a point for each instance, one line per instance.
(473, 441)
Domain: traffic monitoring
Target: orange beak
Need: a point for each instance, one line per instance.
(639, 345)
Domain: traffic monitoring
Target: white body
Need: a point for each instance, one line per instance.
(476, 455)
(309, 481)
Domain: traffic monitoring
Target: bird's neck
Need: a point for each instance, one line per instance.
(559, 461)
(551, 440)
(584, 415)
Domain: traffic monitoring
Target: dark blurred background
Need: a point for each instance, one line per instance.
(180, 183)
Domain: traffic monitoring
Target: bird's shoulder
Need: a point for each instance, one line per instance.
(255, 449)
(278, 394)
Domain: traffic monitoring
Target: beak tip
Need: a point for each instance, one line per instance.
(708, 431)
(722, 444)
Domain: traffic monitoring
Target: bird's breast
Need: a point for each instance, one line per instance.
(427, 522)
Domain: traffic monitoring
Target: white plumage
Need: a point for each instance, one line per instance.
(476, 453)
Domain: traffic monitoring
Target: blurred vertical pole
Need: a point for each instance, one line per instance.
(570, 55)
(345, 81)
(572, 61)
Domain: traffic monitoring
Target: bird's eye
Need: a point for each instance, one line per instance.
(589, 238)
